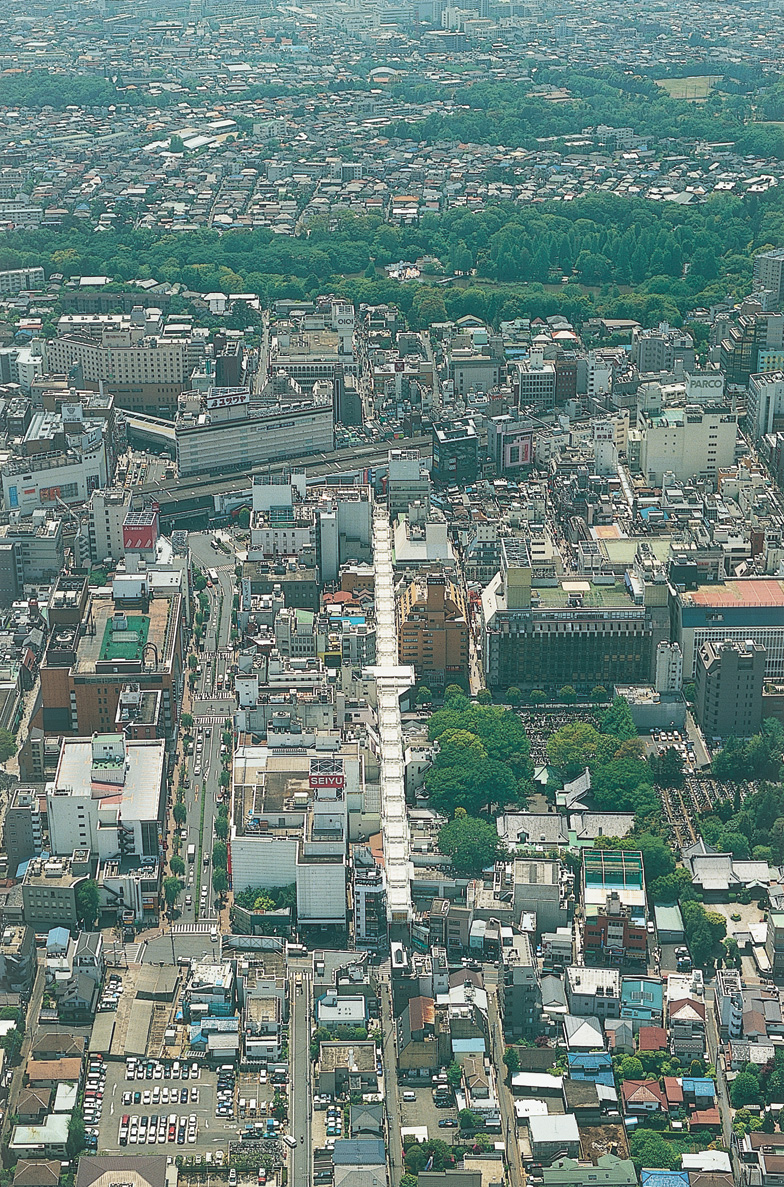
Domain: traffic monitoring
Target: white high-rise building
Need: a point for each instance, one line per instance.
(669, 667)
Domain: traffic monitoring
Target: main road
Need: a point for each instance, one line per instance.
(211, 706)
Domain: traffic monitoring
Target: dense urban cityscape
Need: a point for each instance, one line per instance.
(391, 594)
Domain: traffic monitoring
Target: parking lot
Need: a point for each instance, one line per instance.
(161, 1096)
(423, 1111)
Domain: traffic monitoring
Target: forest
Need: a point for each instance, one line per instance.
(639, 259)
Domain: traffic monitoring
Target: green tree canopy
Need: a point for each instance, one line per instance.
(472, 844)
(87, 901)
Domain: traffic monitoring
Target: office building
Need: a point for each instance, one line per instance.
(455, 452)
(729, 679)
(571, 632)
(433, 631)
(370, 904)
(107, 512)
(690, 442)
(756, 336)
(534, 382)
(661, 349)
(23, 830)
(49, 890)
(97, 645)
(38, 546)
(745, 608)
(408, 481)
(768, 271)
(765, 408)
(592, 991)
(510, 444)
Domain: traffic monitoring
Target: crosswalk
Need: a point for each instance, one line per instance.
(215, 719)
(223, 653)
(192, 929)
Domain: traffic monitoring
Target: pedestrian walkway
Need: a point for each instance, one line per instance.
(193, 929)
(216, 719)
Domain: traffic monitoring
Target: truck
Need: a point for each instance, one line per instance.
(191, 853)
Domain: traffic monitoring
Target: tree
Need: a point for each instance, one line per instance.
(513, 696)
(180, 813)
(484, 697)
(512, 1060)
(745, 1090)
(424, 695)
(220, 881)
(650, 1149)
(567, 695)
(598, 694)
(467, 1119)
(172, 889)
(617, 720)
(7, 745)
(472, 844)
(77, 1135)
(221, 827)
(454, 1075)
(631, 1068)
(537, 696)
(87, 901)
(243, 518)
(667, 768)
(224, 779)
(573, 747)
(186, 719)
(220, 855)
(193, 664)
(177, 865)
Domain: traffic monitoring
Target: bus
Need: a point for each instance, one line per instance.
(191, 853)
(213, 576)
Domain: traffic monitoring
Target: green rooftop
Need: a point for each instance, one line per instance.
(128, 643)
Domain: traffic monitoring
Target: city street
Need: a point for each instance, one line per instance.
(299, 1078)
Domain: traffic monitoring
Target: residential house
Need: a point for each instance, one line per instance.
(643, 1096)
(687, 1028)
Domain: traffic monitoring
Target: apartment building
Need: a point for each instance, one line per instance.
(729, 680)
(433, 631)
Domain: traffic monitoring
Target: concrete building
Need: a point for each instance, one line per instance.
(537, 889)
(729, 680)
(690, 442)
(38, 546)
(768, 271)
(669, 668)
(455, 452)
(107, 512)
(534, 382)
(774, 943)
(408, 481)
(98, 644)
(661, 349)
(612, 936)
(49, 890)
(221, 431)
(569, 632)
(17, 959)
(108, 796)
(593, 992)
(433, 631)
(521, 1001)
(23, 831)
(17, 279)
(747, 608)
(765, 407)
(145, 374)
(370, 904)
